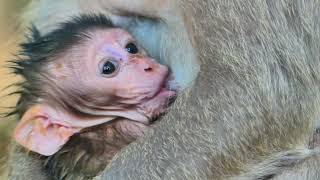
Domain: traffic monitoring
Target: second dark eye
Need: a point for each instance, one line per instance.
(108, 68)
(132, 48)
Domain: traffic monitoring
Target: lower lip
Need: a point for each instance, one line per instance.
(165, 92)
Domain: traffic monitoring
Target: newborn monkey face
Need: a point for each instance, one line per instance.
(118, 67)
(90, 73)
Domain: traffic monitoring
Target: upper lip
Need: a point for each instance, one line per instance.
(164, 85)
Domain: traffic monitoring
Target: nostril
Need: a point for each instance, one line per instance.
(147, 69)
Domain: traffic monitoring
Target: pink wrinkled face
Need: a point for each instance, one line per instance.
(111, 71)
(117, 67)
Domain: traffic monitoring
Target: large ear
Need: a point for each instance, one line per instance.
(39, 130)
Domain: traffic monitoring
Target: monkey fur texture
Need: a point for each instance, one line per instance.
(254, 105)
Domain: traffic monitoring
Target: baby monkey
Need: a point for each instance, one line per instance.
(87, 84)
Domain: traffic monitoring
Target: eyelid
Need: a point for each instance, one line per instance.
(134, 42)
(141, 49)
(130, 41)
(103, 61)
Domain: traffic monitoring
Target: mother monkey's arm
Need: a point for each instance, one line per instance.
(254, 102)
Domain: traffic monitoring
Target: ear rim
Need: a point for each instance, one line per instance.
(38, 133)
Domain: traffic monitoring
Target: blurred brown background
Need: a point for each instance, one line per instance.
(9, 38)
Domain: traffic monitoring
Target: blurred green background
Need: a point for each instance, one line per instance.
(9, 38)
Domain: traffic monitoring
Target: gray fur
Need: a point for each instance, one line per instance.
(255, 99)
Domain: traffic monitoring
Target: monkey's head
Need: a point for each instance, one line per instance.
(85, 73)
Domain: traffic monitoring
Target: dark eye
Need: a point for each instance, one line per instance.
(132, 48)
(108, 68)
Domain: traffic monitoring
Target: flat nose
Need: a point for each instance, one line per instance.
(148, 68)
(148, 64)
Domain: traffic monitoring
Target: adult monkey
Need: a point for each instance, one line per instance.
(255, 102)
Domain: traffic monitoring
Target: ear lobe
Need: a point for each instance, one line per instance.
(37, 132)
